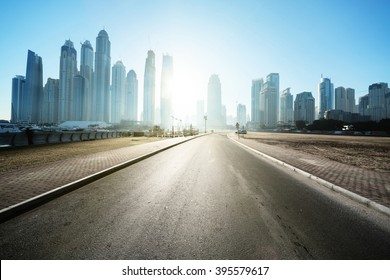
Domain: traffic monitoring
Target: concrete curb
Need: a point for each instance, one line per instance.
(31, 203)
(360, 199)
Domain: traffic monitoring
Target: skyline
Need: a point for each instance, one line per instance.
(238, 41)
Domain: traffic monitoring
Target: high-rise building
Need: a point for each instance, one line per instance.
(50, 101)
(86, 70)
(131, 100)
(149, 89)
(350, 104)
(364, 105)
(241, 115)
(33, 89)
(376, 101)
(340, 99)
(269, 101)
(304, 107)
(68, 69)
(101, 96)
(166, 92)
(214, 103)
(78, 112)
(118, 90)
(286, 107)
(255, 100)
(325, 96)
(18, 84)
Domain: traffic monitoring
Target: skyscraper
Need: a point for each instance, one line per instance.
(304, 107)
(340, 99)
(241, 115)
(269, 101)
(79, 99)
(255, 100)
(131, 101)
(86, 70)
(214, 102)
(68, 68)
(350, 106)
(286, 107)
(33, 89)
(166, 91)
(50, 101)
(376, 101)
(325, 96)
(18, 84)
(101, 97)
(149, 89)
(118, 89)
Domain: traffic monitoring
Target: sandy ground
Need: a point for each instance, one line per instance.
(362, 151)
(20, 157)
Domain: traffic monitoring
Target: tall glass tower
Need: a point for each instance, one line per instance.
(166, 91)
(325, 96)
(214, 102)
(131, 100)
(149, 89)
(86, 71)
(255, 100)
(18, 84)
(68, 69)
(269, 101)
(33, 90)
(101, 98)
(118, 89)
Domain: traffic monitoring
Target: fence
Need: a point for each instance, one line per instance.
(42, 137)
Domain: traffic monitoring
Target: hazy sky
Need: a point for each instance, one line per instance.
(347, 41)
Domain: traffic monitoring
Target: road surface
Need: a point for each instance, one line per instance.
(205, 199)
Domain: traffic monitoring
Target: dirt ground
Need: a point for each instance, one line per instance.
(363, 151)
(20, 157)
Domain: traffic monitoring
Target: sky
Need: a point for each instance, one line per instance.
(346, 41)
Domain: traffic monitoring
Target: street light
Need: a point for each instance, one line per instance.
(205, 120)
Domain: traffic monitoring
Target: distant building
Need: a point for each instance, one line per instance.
(102, 75)
(255, 100)
(363, 105)
(149, 89)
(241, 115)
(18, 84)
(269, 101)
(86, 70)
(345, 99)
(78, 109)
(343, 116)
(131, 100)
(118, 90)
(33, 89)
(376, 101)
(50, 101)
(325, 96)
(351, 103)
(304, 107)
(286, 107)
(166, 93)
(214, 103)
(68, 69)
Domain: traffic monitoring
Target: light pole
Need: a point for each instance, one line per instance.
(205, 120)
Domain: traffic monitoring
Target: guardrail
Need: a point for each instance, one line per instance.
(17, 139)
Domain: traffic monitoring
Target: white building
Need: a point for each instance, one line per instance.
(304, 107)
(149, 89)
(131, 100)
(286, 107)
(118, 90)
(166, 92)
(269, 101)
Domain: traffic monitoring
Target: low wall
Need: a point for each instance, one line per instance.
(43, 137)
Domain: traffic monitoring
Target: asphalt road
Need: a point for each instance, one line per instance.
(205, 199)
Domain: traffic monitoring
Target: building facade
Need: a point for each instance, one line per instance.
(18, 84)
(376, 101)
(325, 96)
(33, 89)
(166, 92)
(50, 101)
(101, 96)
(214, 103)
(304, 107)
(241, 115)
(86, 70)
(131, 100)
(286, 107)
(118, 91)
(269, 101)
(149, 89)
(255, 100)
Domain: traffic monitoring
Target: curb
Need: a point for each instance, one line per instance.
(31, 203)
(353, 196)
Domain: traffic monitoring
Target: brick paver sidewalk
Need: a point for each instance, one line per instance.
(370, 184)
(20, 185)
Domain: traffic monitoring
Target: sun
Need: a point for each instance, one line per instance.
(188, 87)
